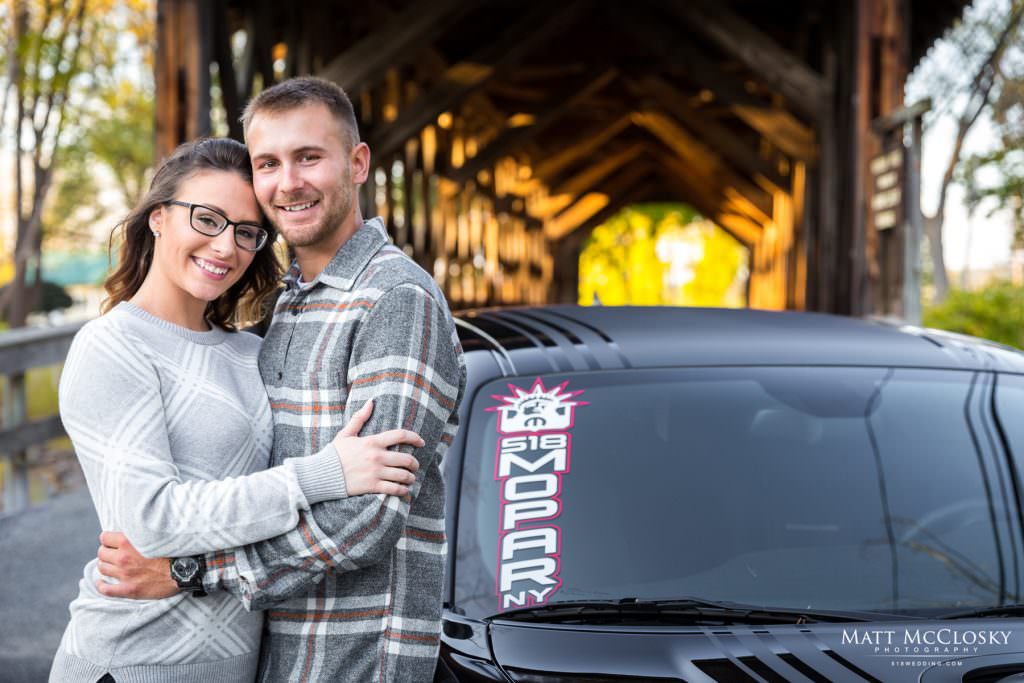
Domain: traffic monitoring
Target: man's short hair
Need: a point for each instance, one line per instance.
(299, 92)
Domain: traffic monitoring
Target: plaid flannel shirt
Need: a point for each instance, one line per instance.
(354, 592)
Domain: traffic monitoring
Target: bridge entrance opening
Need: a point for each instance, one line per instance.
(663, 254)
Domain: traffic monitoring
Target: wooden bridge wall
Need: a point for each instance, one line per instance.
(503, 132)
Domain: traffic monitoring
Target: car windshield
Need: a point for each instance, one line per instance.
(827, 488)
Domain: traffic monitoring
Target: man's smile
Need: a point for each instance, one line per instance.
(291, 208)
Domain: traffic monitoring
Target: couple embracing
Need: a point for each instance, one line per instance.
(272, 511)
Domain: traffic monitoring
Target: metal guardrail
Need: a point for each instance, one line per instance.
(20, 351)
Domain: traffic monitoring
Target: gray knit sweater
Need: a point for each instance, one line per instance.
(173, 430)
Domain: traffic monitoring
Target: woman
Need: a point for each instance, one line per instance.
(163, 402)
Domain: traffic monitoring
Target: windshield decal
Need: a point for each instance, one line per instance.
(533, 453)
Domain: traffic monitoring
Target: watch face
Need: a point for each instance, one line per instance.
(184, 568)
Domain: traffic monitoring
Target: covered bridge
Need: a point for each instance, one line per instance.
(503, 131)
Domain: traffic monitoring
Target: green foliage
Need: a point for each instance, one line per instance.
(995, 312)
(997, 173)
(73, 209)
(662, 254)
(113, 145)
(118, 141)
(123, 140)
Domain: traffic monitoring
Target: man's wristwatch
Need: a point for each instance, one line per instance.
(188, 573)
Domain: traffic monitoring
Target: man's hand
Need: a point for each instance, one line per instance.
(140, 578)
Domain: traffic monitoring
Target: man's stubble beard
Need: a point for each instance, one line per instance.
(331, 222)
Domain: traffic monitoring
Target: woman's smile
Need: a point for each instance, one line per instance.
(212, 268)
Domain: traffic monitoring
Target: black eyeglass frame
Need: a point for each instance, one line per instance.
(264, 235)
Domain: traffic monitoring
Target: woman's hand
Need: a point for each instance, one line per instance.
(371, 468)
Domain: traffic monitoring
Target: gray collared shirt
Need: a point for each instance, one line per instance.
(354, 592)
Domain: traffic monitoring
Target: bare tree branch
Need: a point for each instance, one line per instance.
(978, 99)
(34, 58)
(6, 31)
(19, 24)
(58, 87)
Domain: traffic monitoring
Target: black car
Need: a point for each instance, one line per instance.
(669, 494)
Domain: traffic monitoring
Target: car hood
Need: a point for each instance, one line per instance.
(968, 651)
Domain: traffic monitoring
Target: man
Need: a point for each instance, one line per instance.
(354, 592)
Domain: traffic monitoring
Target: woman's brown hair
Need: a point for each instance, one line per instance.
(135, 255)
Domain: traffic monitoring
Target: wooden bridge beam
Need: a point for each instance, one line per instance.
(512, 139)
(396, 42)
(783, 130)
(709, 131)
(595, 200)
(777, 125)
(570, 189)
(460, 79)
(574, 149)
(802, 87)
(695, 192)
(693, 64)
(699, 157)
(594, 174)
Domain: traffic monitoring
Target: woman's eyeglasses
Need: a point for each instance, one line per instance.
(210, 222)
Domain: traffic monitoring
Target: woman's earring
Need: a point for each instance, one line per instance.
(156, 233)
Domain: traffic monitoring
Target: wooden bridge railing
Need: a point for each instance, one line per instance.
(20, 351)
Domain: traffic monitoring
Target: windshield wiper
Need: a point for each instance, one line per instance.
(1014, 610)
(679, 610)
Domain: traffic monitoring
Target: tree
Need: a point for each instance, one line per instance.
(116, 135)
(998, 173)
(981, 43)
(58, 56)
(121, 137)
(44, 48)
(118, 138)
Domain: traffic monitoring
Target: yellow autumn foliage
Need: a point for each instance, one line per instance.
(662, 254)
(6, 268)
